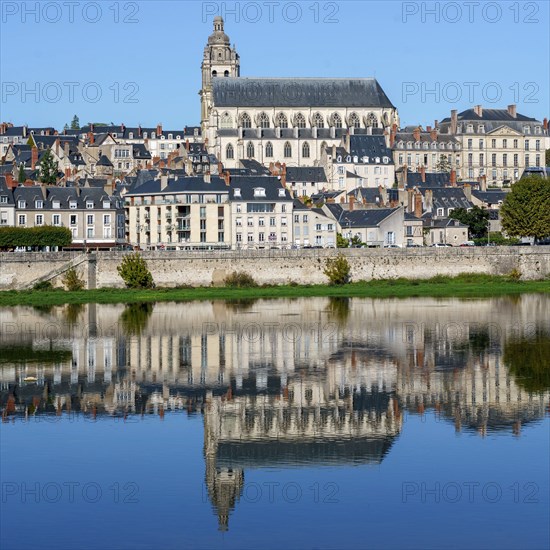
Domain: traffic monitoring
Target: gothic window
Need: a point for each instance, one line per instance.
(336, 120)
(214, 74)
(226, 73)
(372, 121)
(305, 150)
(229, 152)
(226, 121)
(269, 149)
(318, 120)
(250, 150)
(288, 150)
(282, 121)
(246, 122)
(354, 121)
(263, 121)
(300, 121)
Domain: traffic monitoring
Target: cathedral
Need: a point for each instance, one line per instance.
(287, 120)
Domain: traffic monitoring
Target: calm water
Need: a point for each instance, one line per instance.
(311, 423)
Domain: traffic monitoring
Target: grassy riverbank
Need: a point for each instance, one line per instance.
(462, 286)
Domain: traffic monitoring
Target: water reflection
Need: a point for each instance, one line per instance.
(284, 383)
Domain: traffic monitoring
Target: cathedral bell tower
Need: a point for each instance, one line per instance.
(220, 60)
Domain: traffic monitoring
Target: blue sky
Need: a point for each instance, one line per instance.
(139, 62)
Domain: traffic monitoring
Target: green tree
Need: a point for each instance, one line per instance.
(134, 271)
(443, 164)
(526, 209)
(48, 169)
(338, 270)
(341, 242)
(477, 220)
(66, 127)
(75, 124)
(72, 280)
(21, 177)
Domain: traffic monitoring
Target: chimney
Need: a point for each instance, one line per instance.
(57, 146)
(206, 177)
(163, 182)
(283, 175)
(452, 178)
(122, 127)
(159, 130)
(67, 173)
(483, 183)
(139, 130)
(90, 138)
(220, 167)
(418, 204)
(227, 178)
(351, 203)
(333, 151)
(392, 136)
(416, 134)
(34, 157)
(66, 148)
(10, 184)
(478, 110)
(512, 110)
(91, 127)
(436, 123)
(332, 132)
(423, 173)
(428, 129)
(410, 200)
(545, 123)
(433, 134)
(454, 121)
(429, 200)
(347, 141)
(187, 146)
(468, 191)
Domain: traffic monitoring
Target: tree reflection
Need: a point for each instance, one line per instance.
(338, 309)
(135, 317)
(529, 361)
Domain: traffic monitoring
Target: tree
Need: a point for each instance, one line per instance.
(72, 280)
(134, 272)
(526, 209)
(443, 164)
(48, 169)
(21, 177)
(75, 124)
(477, 220)
(547, 157)
(66, 127)
(341, 242)
(338, 270)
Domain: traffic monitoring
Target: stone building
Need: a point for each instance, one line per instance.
(289, 120)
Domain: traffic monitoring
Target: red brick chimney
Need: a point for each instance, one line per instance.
(433, 134)
(512, 111)
(90, 138)
(468, 191)
(10, 183)
(478, 110)
(418, 204)
(66, 148)
(416, 134)
(423, 173)
(283, 175)
(159, 130)
(545, 123)
(34, 157)
(454, 121)
(187, 147)
(220, 168)
(122, 127)
(67, 173)
(452, 178)
(227, 178)
(392, 135)
(57, 146)
(351, 203)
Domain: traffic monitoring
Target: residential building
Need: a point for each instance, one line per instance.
(312, 227)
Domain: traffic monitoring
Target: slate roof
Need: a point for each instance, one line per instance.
(299, 92)
(104, 161)
(5, 192)
(370, 194)
(186, 184)
(490, 197)
(490, 114)
(369, 217)
(448, 197)
(433, 179)
(140, 151)
(254, 167)
(247, 184)
(306, 173)
(369, 146)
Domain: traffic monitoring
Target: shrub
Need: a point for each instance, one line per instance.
(72, 280)
(515, 275)
(36, 237)
(43, 285)
(338, 270)
(134, 272)
(240, 279)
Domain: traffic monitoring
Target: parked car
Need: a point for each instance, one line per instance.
(468, 243)
(392, 246)
(441, 245)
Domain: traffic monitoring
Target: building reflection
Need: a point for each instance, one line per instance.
(279, 383)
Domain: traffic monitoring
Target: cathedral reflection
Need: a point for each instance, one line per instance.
(281, 383)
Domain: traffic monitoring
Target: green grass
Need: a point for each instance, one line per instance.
(462, 286)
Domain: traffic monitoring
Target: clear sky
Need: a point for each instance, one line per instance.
(139, 62)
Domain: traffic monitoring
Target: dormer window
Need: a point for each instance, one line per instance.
(131, 135)
(153, 135)
(3, 199)
(39, 204)
(106, 204)
(115, 135)
(144, 135)
(282, 193)
(56, 204)
(470, 128)
(21, 204)
(237, 192)
(526, 130)
(72, 205)
(89, 205)
(259, 192)
(481, 129)
(170, 136)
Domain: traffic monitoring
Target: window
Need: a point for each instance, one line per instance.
(283, 220)
(263, 121)
(107, 219)
(22, 219)
(300, 121)
(354, 121)
(526, 161)
(318, 120)
(281, 121)
(39, 220)
(470, 143)
(261, 222)
(250, 150)
(537, 145)
(272, 222)
(390, 237)
(3, 199)
(238, 222)
(329, 227)
(229, 152)
(305, 150)
(318, 227)
(481, 144)
(516, 159)
(372, 121)
(409, 230)
(89, 205)
(481, 159)
(504, 159)
(296, 218)
(246, 122)
(504, 143)
(537, 161)
(56, 219)
(239, 237)
(336, 120)
(90, 219)
(494, 143)
(202, 211)
(527, 145)
(250, 222)
(516, 144)
(269, 149)
(73, 219)
(440, 211)
(287, 150)
(39, 204)
(261, 237)
(493, 159)
(226, 121)
(304, 218)
(21, 204)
